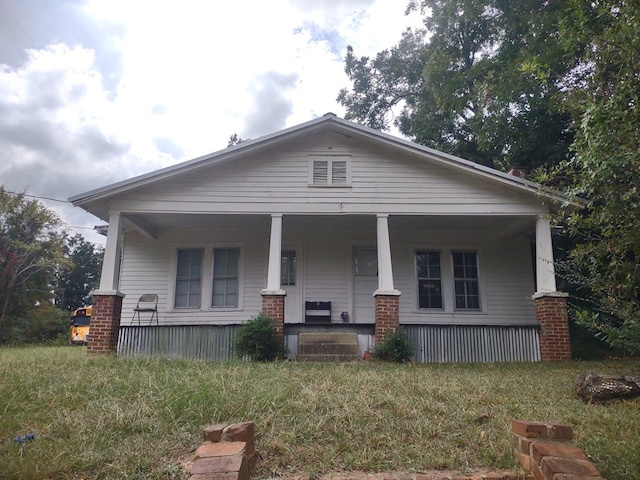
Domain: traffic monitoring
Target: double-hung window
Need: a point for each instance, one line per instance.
(288, 264)
(465, 279)
(330, 171)
(188, 278)
(225, 277)
(429, 279)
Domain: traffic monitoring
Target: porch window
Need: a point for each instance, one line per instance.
(365, 262)
(429, 279)
(330, 171)
(225, 277)
(288, 268)
(188, 278)
(465, 279)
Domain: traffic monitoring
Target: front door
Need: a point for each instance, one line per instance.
(365, 282)
(290, 279)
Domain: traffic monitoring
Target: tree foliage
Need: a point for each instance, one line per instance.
(480, 81)
(76, 280)
(31, 248)
(554, 84)
(604, 95)
(234, 140)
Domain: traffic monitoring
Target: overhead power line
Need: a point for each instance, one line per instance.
(38, 197)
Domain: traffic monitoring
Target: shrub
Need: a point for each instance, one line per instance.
(394, 348)
(258, 340)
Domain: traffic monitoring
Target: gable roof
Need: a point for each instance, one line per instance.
(327, 122)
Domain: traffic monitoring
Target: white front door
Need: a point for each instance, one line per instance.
(290, 282)
(365, 282)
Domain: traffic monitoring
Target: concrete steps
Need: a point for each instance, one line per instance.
(328, 347)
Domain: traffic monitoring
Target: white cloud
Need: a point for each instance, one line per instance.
(149, 83)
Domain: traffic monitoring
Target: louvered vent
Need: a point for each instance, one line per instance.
(339, 172)
(320, 172)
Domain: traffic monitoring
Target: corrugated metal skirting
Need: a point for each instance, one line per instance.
(204, 342)
(473, 343)
(433, 343)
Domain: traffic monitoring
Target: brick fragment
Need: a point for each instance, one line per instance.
(242, 432)
(571, 476)
(541, 430)
(539, 450)
(230, 464)
(220, 449)
(216, 476)
(551, 465)
(213, 433)
(524, 459)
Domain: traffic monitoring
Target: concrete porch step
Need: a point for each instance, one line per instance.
(327, 357)
(328, 347)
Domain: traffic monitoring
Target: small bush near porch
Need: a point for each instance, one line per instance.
(115, 418)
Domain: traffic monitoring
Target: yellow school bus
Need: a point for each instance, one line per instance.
(79, 326)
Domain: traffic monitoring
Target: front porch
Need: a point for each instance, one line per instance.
(346, 261)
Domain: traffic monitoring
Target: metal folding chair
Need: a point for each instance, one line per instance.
(147, 304)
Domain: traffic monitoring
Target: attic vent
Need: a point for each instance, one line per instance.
(339, 172)
(320, 172)
(330, 171)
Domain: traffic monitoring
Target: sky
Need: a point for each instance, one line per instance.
(97, 91)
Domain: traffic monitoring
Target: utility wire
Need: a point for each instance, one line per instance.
(39, 198)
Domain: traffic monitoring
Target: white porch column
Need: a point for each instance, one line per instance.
(545, 271)
(111, 263)
(385, 269)
(275, 252)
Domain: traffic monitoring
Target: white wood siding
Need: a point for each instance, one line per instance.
(278, 181)
(506, 278)
(505, 272)
(149, 267)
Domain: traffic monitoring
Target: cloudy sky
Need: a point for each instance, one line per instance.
(96, 91)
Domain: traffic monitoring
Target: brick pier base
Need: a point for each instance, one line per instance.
(551, 312)
(273, 306)
(387, 316)
(105, 323)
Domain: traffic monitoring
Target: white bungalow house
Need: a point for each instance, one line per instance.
(331, 226)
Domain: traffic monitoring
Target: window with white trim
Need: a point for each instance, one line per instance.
(330, 171)
(188, 278)
(429, 279)
(225, 277)
(288, 266)
(465, 279)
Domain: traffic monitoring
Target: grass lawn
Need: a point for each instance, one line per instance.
(116, 418)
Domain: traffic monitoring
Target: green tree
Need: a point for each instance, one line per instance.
(236, 140)
(603, 93)
(75, 282)
(31, 248)
(479, 81)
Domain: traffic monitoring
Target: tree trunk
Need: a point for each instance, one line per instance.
(592, 387)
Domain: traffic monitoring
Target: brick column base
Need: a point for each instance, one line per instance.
(387, 315)
(273, 306)
(105, 323)
(551, 312)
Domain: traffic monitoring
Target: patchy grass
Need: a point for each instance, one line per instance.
(115, 418)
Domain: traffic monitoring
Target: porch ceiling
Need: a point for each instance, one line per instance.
(503, 225)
